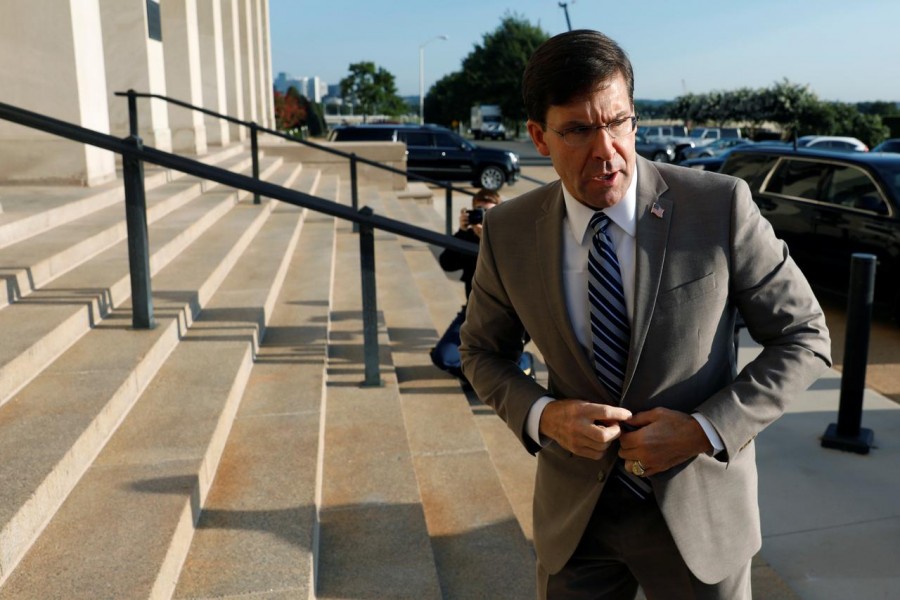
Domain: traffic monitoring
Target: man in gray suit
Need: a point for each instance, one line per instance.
(635, 275)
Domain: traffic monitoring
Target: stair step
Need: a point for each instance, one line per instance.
(38, 259)
(258, 530)
(479, 546)
(444, 294)
(151, 478)
(48, 437)
(50, 319)
(31, 210)
(374, 539)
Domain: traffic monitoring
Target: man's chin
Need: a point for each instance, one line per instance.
(602, 196)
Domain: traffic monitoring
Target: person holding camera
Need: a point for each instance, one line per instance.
(470, 225)
(445, 355)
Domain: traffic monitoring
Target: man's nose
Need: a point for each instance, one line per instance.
(602, 147)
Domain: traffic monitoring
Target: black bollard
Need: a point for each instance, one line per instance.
(847, 434)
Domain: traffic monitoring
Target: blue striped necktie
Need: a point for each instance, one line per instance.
(610, 327)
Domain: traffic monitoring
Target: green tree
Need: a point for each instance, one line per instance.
(372, 89)
(491, 74)
(449, 100)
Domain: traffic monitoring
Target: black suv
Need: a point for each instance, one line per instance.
(827, 206)
(439, 153)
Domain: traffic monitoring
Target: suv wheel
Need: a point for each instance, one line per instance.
(492, 178)
(661, 157)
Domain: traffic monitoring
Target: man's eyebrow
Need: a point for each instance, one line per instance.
(624, 114)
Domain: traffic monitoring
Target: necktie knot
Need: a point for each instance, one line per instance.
(599, 222)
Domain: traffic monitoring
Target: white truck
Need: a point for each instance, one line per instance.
(487, 122)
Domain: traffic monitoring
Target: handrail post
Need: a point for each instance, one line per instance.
(138, 243)
(847, 434)
(448, 209)
(369, 300)
(354, 188)
(132, 113)
(254, 149)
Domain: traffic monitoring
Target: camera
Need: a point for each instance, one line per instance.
(476, 216)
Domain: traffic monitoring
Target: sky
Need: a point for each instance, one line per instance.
(845, 50)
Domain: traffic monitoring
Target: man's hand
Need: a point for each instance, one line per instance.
(582, 428)
(663, 438)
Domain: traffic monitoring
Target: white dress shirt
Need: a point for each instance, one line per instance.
(577, 240)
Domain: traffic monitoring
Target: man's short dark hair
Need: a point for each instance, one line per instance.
(571, 65)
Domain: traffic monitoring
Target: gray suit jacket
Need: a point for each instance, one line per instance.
(708, 256)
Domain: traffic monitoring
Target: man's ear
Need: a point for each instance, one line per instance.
(537, 136)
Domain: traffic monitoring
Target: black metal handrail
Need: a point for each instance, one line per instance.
(254, 128)
(134, 154)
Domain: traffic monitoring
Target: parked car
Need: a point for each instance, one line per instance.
(438, 153)
(892, 145)
(654, 150)
(827, 206)
(715, 148)
(832, 142)
(662, 132)
(676, 135)
(707, 135)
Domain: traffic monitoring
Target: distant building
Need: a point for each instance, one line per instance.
(312, 88)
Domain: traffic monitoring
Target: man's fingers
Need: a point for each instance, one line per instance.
(645, 418)
(606, 433)
(606, 413)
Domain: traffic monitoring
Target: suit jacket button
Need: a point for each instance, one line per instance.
(601, 476)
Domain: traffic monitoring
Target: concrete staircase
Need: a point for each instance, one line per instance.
(232, 451)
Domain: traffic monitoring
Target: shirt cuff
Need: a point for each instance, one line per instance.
(711, 433)
(533, 421)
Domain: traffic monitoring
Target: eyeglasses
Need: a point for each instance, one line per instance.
(585, 134)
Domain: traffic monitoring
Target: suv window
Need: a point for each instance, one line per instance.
(752, 168)
(415, 138)
(444, 140)
(841, 185)
(798, 178)
(852, 187)
(363, 134)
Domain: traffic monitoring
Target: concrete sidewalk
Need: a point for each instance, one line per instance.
(830, 519)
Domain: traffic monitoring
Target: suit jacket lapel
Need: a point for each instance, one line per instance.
(652, 236)
(549, 232)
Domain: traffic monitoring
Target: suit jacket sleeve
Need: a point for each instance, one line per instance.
(782, 314)
(491, 342)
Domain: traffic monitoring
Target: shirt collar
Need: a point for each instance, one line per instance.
(622, 213)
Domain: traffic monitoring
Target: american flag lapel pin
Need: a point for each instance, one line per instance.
(657, 211)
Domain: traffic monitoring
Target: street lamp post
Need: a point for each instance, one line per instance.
(422, 76)
(565, 7)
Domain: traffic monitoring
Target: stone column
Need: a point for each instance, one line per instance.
(212, 60)
(51, 62)
(234, 81)
(134, 61)
(248, 57)
(262, 51)
(267, 64)
(184, 74)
